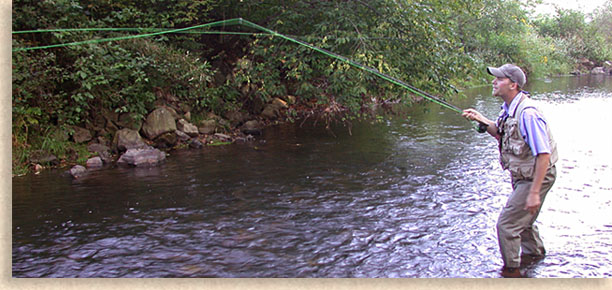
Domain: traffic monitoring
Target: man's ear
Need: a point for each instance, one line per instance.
(514, 86)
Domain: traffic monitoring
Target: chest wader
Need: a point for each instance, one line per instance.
(515, 229)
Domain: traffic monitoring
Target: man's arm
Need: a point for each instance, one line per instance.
(474, 115)
(541, 167)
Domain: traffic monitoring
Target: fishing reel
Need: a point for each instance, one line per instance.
(482, 127)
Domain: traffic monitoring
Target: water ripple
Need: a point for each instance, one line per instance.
(416, 198)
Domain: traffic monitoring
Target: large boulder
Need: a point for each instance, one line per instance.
(186, 127)
(158, 122)
(126, 139)
(142, 157)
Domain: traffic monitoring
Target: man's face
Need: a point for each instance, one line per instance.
(502, 86)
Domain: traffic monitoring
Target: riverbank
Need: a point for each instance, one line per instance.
(106, 139)
(109, 136)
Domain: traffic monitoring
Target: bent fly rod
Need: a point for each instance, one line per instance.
(239, 21)
(357, 65)
(481, 126)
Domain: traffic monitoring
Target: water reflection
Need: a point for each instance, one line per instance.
(414, 197)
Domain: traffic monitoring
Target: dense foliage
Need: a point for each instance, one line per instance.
(432, 44)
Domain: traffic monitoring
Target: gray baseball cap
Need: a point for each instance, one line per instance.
(513, 72)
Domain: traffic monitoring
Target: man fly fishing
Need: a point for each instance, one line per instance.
(528, 150)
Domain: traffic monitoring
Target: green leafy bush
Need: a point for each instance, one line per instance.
(434, 45)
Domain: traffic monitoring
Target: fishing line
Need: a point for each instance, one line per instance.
(240, 22)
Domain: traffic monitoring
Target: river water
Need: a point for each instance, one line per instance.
(406, 197)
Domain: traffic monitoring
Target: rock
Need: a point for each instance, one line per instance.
(188, 128)
(598, 70)
(81, 135)
(279, 103)
(181, 136)
(77, 171)
(166, 140)
(251, 128)
(102, 150)
(127, 139)
(223, 137)
(94, 162)
(269, 112)
(223, 124)
(142, 157)
(236, 117)
(207, 127)
(158, 122)
(607, 65)
(195, 143)
(172, 111)
(96, 147)
(43, 157)
(37, 168)
(129, 120)
(272, 110)
(105, 156)
(248, 138)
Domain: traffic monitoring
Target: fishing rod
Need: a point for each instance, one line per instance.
(482, 127)
(242, 22)
(355, 64)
